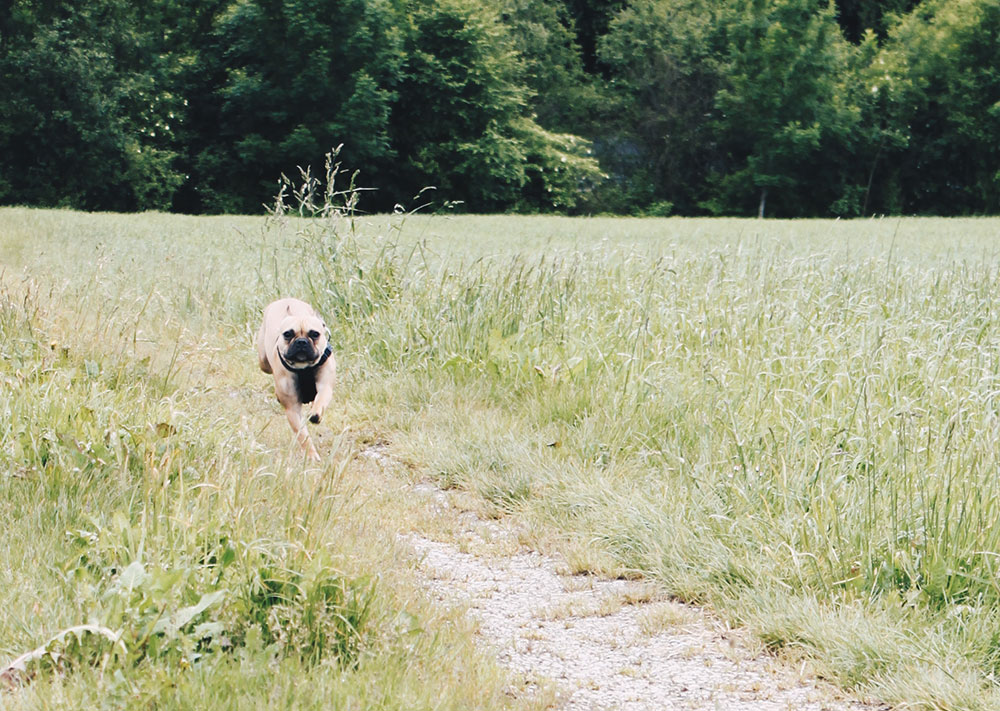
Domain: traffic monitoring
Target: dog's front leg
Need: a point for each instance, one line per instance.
(294, 414)
(324, 393)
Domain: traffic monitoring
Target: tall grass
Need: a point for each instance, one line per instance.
(165, 549)
(795, 422)
(800, 434)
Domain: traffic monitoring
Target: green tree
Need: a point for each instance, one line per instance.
(82, 121)
(191, 78)
(783, 109)
(563, 96)
(870, 150)
(295, 78)
(419, 93)
(662, 59)
(461, 121)
(592, 19)
(939, 74)
(856, 17)
(457, 104)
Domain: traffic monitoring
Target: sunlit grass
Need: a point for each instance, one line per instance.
(795, 422)
(148, 494)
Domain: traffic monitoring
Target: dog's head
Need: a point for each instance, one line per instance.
(302, 340)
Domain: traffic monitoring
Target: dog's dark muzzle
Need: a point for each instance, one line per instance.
(301, 351)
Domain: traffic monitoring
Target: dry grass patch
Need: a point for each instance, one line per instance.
(665, 615)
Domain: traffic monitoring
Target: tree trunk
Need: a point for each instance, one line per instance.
(763, 201)
(871, 177)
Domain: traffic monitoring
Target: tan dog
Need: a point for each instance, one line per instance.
(292, 344)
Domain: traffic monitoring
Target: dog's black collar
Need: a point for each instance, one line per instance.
(305, 369)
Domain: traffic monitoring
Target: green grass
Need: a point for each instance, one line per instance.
(794, 422)
(148, 489)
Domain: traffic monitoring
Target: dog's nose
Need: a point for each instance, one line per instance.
(300, 349)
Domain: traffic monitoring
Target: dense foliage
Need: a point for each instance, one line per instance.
(776, 107)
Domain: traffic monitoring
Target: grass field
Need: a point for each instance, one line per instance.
(796, 423)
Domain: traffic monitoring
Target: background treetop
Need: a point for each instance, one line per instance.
(772, 107)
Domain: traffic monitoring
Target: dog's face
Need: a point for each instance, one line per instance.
(301, 340)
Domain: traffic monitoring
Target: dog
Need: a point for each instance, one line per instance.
(293, 345)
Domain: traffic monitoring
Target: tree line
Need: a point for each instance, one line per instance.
(693, 107)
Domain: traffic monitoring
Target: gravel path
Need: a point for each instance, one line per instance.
(607, 644)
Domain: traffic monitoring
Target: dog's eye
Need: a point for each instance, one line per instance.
(289, 335)
(314, 335)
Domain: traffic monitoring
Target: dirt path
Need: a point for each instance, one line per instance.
(603, 644)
